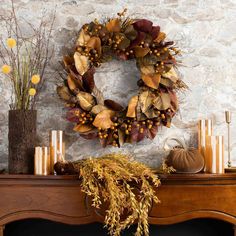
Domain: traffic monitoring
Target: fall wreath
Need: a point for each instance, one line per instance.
(155, 103)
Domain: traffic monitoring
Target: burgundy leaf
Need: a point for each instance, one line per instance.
(155, 31)
(135, 134)
(113, 105)
(140, 37)
(122, 56)
(73, 115)
(103, 142)
(88, 80)
(143, 25)
(174, 100)
(151, 133)
(89, 135)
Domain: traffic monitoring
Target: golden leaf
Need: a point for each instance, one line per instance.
(151, 113)
(162, 102)
(166, 82)
(99, 95)
(64, 93)
(161, 36)
(133, 102)
(95, 43)
(147, 70)
(81, 63)
(103, 119)
(113, 25)
(145, 99)
(172, 75)
(151, 80)
(83, 128)
(86, 100)
(121, 136)
(98, 108)
(83, 38)
(72, 84)
(141, 52)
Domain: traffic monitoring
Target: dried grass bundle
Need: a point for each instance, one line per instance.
(128, 187)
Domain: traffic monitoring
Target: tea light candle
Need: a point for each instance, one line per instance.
(204, 130)
(41, 161)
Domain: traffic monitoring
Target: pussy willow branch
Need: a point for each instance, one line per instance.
(47, 57)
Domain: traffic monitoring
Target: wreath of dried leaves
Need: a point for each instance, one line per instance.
(154, 105)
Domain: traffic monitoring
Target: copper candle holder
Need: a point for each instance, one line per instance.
(41, 161)
(204, 130)
(215, 154)
(57, 148)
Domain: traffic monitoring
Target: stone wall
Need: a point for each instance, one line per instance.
(205, 30)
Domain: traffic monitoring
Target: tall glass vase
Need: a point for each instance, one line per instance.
(21, 139)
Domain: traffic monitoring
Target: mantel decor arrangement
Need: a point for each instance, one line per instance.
(124, 186)
(24, 59)
(155, 102)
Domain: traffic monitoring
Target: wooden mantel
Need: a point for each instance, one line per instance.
(59, 198)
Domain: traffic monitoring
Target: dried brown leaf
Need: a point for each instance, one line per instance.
(145, 100)
(133, 102)
(113, 105)
(130, 32)
(172, 75)
(64, 93)
(88, 80)
(141, 52)
(161, 36)
(73, 84)
(162, 102)
(68, 61)
(83, 128)
(113, 25)
(83, 38)
(151, 80)
(147, 69)
(95, 43)
(103, 119)
(98, 108)
(86, 100)
(81, 63)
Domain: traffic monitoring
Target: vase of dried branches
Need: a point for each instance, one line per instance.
(22, 140)
(25, 60)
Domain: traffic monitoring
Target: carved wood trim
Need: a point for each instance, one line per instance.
(47, 215)
(2, 227)
(193, 215)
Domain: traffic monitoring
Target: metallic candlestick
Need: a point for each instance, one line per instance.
(228, 121)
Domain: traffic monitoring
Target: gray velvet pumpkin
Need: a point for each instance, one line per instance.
(185, 160)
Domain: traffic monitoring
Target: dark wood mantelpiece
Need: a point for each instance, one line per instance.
(59, 198)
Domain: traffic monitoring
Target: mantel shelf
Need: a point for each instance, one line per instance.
(59, 198)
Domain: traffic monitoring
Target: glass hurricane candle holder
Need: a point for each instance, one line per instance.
(41, 161)
(204, 130)
(57, 148)
(215, 154)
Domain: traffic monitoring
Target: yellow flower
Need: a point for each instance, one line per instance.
(6, 69)
(32, 91)
(35, 79)
(11, 43)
